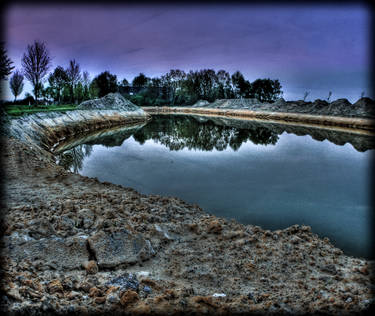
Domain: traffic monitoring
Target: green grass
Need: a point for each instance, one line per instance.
(17, 110)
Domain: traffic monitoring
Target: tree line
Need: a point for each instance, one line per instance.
(71, 85)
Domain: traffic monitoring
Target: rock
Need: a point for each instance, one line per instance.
(65, 226)
(41, 228)
(295, 240)
(119, 247)
(147, 289)
(128, 298)
(214, 227)
(86, 217)
(100, 299)
(95, 292)
(125, 282)
(113, 298)
(58, 253)
(112, 101)
(73, 295)
(55, 286)
(200, 103)
(329, 268)
(90, 266)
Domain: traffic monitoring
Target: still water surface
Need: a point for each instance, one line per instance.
(254, 173)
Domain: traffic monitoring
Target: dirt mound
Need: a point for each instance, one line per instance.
(363, 108)
(112, 101)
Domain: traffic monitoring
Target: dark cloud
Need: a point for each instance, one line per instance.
(306, 47)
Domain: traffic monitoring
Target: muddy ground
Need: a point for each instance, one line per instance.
(73, 244)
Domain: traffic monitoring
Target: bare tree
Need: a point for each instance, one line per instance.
(305, 95)
(36, 62)
(329, 96)
(16, 84)
(362, 94)
(86, 78)
(74, 76)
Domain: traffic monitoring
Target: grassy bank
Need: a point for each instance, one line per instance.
(17, 110)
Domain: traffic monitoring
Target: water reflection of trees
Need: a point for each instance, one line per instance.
(177, 132)
(72, 159)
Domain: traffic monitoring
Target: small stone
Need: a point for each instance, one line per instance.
(100, 299)
(90, 266)
(113, 298)
(364, 270)
(55, 286)
(215, 227)
(147, 289)
(73, 294)
(329, 268)
(128, 297)
(94, 292)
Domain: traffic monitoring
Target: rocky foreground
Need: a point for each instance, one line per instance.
(71, 244)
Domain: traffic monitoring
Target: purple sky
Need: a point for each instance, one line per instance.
(308, 48)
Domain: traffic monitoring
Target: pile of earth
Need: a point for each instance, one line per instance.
(363, 108)
(112, 101)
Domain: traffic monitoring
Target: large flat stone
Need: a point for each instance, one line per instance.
(119, 248)
(52, 253)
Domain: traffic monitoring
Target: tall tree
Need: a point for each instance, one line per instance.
(266, 90)
(5, 63)
(173, 80)
(74, 76)
(140, 81)
(57, 80)
(104, 83)
(16, 84)
(36, 62)
(241, 86)
(224, 90)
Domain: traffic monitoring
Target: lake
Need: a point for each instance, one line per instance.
(266, 174)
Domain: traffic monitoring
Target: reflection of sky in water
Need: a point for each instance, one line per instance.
(298, 180)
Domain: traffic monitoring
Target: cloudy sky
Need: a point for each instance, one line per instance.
(311, 48)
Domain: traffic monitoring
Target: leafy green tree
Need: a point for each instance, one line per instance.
(224, 88)
(16, 84)
(173, 82)
(103, 84)
(5, 63)
(266, 90)
(57, 80)
(93, 90)
(124, 83)
(65, 95)
(79, 92)
(140, 81)
(36, 62)
(242, 87)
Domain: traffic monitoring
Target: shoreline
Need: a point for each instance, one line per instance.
(366, 125)
(169, 247)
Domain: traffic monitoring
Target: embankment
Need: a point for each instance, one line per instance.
(317, 120)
